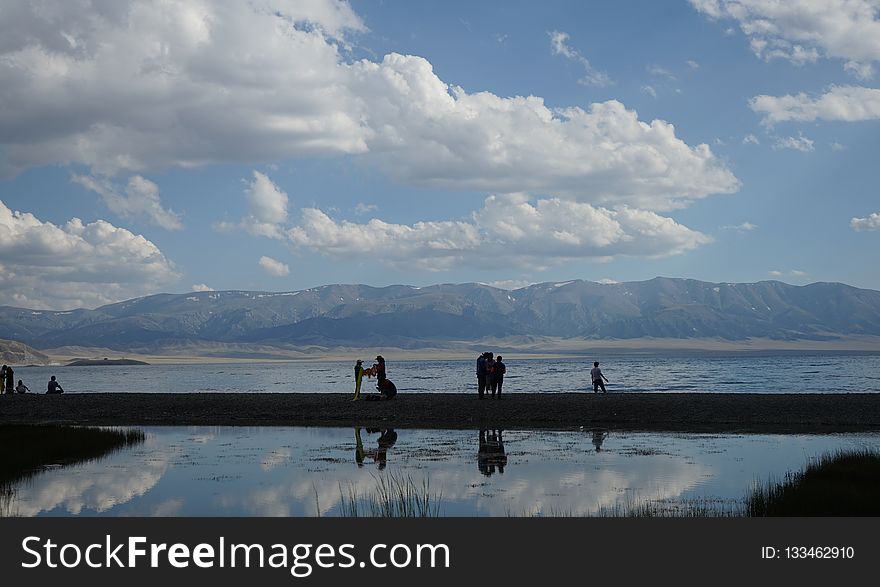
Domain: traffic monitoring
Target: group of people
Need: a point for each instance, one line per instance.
(490, 374)
(490, 378)
(385, 387)
(7, 383)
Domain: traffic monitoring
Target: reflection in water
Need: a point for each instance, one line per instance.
(491, 452)
(599, 437)
(303, 471)
(386, 440)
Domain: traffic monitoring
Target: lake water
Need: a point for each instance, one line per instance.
(627, 373)
(226, 471)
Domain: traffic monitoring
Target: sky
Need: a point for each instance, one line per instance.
(171, 146)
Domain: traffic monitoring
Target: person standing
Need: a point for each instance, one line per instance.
(597, 376)
(358, 379)
(498, 372)
(481, 374)
(54, 386)
(490, 370)
(3, 377)
(379, 370)
(10, 380)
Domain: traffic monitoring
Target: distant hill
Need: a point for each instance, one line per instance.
(16, 353)
(413, 317)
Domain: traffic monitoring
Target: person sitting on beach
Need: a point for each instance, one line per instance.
(54, 386)
(597, 377)
(21, 387)
(387, 391)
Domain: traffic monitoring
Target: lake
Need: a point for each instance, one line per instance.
(289, 471)
(830, 373)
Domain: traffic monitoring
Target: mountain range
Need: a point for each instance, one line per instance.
(413, 317)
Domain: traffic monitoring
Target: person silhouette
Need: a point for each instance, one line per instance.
(597, 376)
(54, 386)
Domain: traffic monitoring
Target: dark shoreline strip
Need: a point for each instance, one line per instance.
(693, 412)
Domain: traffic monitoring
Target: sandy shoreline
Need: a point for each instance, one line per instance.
(716, 412)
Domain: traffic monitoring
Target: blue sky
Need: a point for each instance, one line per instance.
(280, 144)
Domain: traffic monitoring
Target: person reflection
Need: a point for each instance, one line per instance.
(491, 452)
(358, 448)
(387, 438)
(599, 437)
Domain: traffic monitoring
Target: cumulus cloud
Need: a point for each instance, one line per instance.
(124, 91)
(139, 198)
(274, 267)
(872, 222)
(646, 89)
(751, 139)
(592, 76)
(443, 137)
(798, 143)
(75, 265)
(801, 31)
(201, 287)
(134, 85)
(508, 231)
(267, 209)
(839, 103)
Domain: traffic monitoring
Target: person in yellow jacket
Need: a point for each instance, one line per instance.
(358, 379)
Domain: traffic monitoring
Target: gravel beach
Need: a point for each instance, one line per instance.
(693, 412)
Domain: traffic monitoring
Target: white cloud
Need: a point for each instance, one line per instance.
(798, 273)
(608, 281)
(201, 287)
(658, 71)
(140, 198)
(798, 143)
(751, 139)
(835, 146)
(363, 208)
(133, 85)
(646, 89)
(801, 31)
(775, 273)
(267, 209)
(863, 71)
(839, 103)
(744, 227)
(507, 231)
(872, 222)
(233, 81)
(693, 64)
(443, 137)
(76, 264)
(592, 76)
(273, 267)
